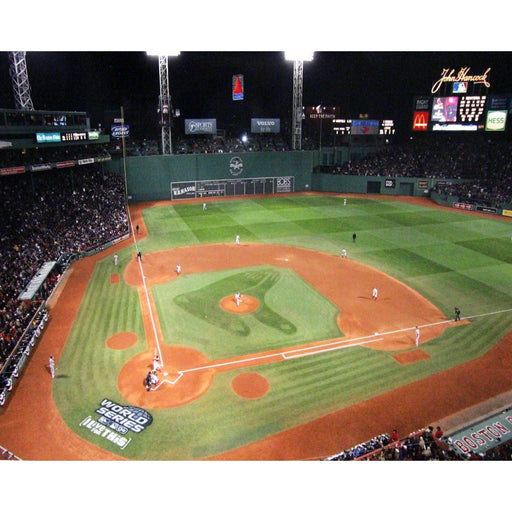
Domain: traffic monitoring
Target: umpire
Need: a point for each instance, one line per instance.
(147, 381)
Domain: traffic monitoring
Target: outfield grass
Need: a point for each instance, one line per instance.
(449, 257)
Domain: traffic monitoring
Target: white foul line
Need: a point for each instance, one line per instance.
(329, 346)
(146, 292)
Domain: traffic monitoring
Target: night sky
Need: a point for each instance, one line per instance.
(112, 72)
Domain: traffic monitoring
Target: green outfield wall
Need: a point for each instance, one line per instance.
(351, 184)
(149, 177)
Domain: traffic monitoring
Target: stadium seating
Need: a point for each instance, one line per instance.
(50, 216)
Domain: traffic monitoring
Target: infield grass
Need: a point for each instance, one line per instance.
(449, 257)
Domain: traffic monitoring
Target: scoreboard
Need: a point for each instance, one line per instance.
(363, 127)
(461, 102)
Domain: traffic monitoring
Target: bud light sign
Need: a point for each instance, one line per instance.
(118, 131)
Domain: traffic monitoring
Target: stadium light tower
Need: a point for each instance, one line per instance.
(298, 59)
(164, 103)
(19, 79)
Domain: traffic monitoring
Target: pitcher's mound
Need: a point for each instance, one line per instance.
(247, 304)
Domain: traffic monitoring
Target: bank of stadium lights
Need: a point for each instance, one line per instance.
(165, 106)
(298, 57)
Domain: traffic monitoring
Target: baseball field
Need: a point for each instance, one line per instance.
(305, 365)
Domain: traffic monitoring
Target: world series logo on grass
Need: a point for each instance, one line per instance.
(115, 421)
(127, 417)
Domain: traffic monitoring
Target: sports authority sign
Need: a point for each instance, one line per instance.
(200, 126)
(116, 422)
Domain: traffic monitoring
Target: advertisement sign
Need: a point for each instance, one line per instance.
(118, 131)
(444, 110)
(238, 87)
(496, 121)
(6, 171)
(462, 75)
(200, 126)
(365, 127)
(73, 136)
(422, 103)
(321, 112)
(261, 125)
(43, 137)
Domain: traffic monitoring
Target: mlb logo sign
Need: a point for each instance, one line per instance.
(238, 87)
(420, 121)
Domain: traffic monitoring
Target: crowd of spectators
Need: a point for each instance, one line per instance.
(45, 216)
(208, 144)
(435, 157)
(473, 169)
(47, 154)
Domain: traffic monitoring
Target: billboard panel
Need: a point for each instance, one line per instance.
(321, 112)
(496, 121)
(119, 131)
(420, 121)
(237, 87)
(264, 125)
(444, 109)
(365, 127)
(200, 126)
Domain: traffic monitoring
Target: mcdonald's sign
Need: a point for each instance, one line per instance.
(420, 121)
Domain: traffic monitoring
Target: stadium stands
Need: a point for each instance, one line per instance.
(52, 216)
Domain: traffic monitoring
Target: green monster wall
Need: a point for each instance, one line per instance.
(149, 178)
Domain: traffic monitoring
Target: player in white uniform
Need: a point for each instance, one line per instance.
(115, 259)
(156, 363)
(417, 336)
(178, 269)
(237, 240)
(375, 294)
(52, 367)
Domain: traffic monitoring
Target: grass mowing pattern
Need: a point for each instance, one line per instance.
(190, 315)
(449, 257)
